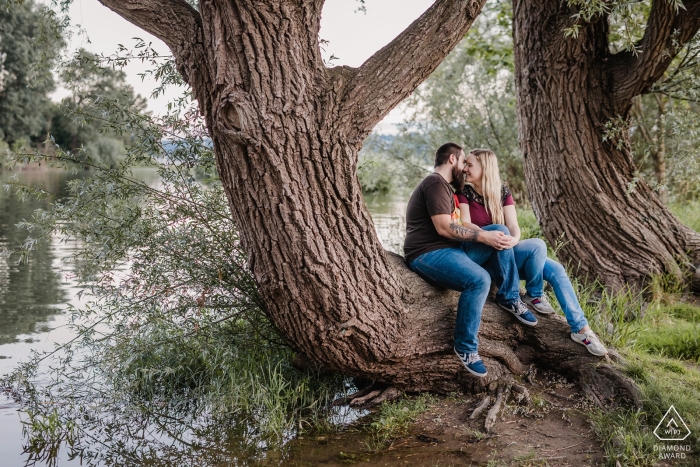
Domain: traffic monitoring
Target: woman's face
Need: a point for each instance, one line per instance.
(473, 170)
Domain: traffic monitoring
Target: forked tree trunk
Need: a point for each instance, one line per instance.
(574, 99)
(287, 131)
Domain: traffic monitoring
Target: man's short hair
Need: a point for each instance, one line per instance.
(443, 153)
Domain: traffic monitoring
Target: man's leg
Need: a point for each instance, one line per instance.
(451, 268)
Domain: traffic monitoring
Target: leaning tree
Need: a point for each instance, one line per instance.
(286, 132)
(574, 98)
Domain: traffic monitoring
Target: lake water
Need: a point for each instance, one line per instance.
(34, 295)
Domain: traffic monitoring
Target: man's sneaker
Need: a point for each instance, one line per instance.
(539, 304)
(520, 311)
(591, 341)
(473, 363)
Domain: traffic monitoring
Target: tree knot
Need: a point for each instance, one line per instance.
(236, 117)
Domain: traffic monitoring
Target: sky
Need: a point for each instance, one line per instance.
(352, 37)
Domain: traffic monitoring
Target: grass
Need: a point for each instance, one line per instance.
(659, 336)
(628, 436)
(394, 419)
(687, 213)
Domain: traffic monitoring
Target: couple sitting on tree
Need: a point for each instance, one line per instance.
(461, 241)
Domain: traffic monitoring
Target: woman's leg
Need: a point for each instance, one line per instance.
(530, 256)
(555, 274)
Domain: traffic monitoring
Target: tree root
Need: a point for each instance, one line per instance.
(491, 416)
(480, 408)
(370, 396)
(365, 400)
(522, 395)
(631, 390)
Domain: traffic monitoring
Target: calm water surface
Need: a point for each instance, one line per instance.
(35, 295)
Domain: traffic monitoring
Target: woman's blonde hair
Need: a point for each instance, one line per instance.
(490, 183)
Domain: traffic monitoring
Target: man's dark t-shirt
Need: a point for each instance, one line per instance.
(432, 196)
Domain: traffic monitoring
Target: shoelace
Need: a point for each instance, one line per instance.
(520, 307)
(544, 299)
(473, 358)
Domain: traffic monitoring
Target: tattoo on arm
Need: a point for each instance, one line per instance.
(462, 233)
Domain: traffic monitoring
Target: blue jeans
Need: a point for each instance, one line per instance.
(461, 269)
(534, 267)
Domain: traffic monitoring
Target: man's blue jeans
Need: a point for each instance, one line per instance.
(465, 270)
(534, 267)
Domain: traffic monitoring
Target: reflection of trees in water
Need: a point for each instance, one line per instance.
(29, 292)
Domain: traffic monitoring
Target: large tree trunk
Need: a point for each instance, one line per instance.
(287, 131)
(574, 99)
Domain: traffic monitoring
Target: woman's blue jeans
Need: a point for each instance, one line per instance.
(468, 270)
(534, 267)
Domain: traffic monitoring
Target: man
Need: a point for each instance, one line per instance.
(450, 255)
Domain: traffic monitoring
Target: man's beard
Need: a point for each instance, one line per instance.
(458, 179)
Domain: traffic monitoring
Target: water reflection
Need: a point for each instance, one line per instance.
(389, 216)
(33, 291)
(34, 295)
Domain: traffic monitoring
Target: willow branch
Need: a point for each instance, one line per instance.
(667, 31)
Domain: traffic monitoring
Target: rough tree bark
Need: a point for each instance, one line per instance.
(612, 226)
(286, 132)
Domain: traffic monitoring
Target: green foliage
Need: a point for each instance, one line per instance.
(30, 39)
(469, 99)
(387, 166)
(174, 343)
(688, 213)
(83, 124)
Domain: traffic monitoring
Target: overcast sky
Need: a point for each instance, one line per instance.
(353, 37)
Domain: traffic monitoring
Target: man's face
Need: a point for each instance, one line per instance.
(458, 175)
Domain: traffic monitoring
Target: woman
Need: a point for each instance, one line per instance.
(486, 201)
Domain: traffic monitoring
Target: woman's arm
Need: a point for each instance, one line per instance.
(511, 218)
(466, 217)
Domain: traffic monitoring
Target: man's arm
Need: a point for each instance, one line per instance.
(445, 227)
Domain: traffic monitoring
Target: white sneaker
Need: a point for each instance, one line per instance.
(539, 304)
(591, 341)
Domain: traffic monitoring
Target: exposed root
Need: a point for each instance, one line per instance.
(626, 384)
(362, 401)
(559, 396)
(389, 394)
(480, 408)
(361, 393)
(531, 376)
(504, 354)
(491, 416)
(521, 394)
(591, 395)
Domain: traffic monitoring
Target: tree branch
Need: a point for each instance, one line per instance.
(179, 25)
(667, 31)
(391, 74)
(174, 22)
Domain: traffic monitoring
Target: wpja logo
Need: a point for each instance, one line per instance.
(672, 428)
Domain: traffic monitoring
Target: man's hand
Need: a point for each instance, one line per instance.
(496, 239)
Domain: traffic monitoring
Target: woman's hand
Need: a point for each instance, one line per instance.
(513, 241)
(497, 239)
